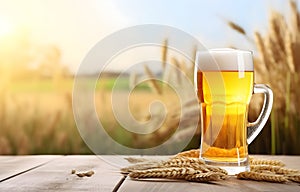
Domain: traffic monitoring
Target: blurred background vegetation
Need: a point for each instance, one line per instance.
(36, 114)
(278, 65)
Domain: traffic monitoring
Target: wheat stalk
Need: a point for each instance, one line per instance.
(152, 80)
(183, 161)
(295, 19)
(164, 54)
(276, 29)
(194, 169)
(194, 153)
(273, 169)
(254, 161)
(262, 49)
(289, 52)
(205, 177)
(178, 70)
(141, 166)
(262, 177)
(294, 177)
(169, 172)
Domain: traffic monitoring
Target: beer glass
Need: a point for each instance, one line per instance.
(224, 81)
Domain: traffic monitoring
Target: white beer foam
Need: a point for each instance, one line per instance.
(224, 59)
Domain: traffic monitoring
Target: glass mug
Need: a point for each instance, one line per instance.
(224, 82)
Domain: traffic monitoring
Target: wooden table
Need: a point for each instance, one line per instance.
(53, 173)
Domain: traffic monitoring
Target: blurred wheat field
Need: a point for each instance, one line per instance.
(36, 114)
(35, 119)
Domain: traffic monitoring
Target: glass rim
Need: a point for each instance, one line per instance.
(225, 50)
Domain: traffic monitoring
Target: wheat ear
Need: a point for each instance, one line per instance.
(262, 177)
(195, 153)
(170, 173)
(294, 177)
(254, 161)
(273, 169)
(205, 177)
(152, 80)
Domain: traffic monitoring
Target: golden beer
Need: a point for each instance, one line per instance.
(224, 108)
(224, 82)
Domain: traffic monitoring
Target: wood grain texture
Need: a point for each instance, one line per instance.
(56, 176)
(14, 165)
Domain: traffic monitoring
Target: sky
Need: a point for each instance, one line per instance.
(75, 26)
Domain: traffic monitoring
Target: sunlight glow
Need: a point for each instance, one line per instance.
(5, 27)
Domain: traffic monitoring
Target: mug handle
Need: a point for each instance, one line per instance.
(255, 127)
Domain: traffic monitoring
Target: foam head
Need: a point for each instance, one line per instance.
(224, 59)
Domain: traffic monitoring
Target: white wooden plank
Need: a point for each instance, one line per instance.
(13, 165)
(56, 176)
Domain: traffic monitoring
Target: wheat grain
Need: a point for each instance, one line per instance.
(191, 153)
(262, 177)
(183, 161)
(84, 174)
(216, 169)
(294, 177)
(89, 173)
(136, 159)
(170, 173)
(273, 169)
(204, 177)
(80, 174)
(236, 27)
(140, 166)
